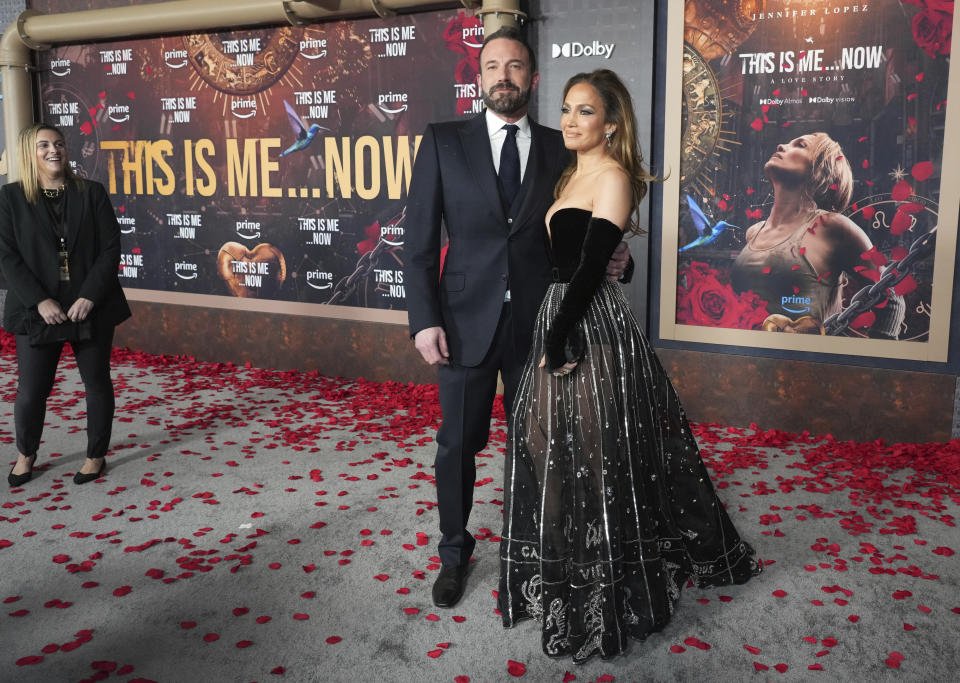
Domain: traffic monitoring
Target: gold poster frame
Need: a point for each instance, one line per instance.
(935, 349)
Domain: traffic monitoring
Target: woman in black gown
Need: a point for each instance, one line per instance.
(608, 507)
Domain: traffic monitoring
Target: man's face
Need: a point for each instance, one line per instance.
(505, 78)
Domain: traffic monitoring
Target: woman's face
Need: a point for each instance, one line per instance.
(582, 119)
(793, 160)
(51, 155)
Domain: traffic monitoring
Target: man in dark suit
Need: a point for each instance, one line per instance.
(490, 181)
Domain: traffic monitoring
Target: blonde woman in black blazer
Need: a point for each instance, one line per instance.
(60, 253)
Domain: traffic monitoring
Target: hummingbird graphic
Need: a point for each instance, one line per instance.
(702, 224)
(304, 135)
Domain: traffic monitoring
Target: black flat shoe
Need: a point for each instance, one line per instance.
(80, 478)
(20, 479)
(449, 586)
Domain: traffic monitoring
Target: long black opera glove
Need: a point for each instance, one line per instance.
(564, 341)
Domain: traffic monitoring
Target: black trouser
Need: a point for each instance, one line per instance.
(37, 368)
(466, 401)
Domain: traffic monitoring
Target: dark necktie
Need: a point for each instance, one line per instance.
(510, 165)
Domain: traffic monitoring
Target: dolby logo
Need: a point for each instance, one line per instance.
(578, 49)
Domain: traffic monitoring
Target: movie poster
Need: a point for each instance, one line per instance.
(814, 207)
(266, 169)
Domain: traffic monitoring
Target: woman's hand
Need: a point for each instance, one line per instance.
(564, 369)
(51, 312)
(80, 310)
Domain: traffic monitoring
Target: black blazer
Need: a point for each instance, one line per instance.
(454, 182)
(29, 246)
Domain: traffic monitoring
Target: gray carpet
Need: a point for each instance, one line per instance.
(261, 526)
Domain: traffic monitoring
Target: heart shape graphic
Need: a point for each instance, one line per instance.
(252, 273)
(802, 325)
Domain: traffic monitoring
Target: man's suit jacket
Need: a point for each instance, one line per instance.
(454, 182)
(29, 246)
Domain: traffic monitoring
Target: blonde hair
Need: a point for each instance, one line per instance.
(830, 185)
(27, 152)
(624, 147)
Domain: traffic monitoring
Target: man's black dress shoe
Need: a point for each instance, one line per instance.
(20, 479)
(80, 478)
(448, 588)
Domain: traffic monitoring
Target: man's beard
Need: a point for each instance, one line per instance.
(509, 101)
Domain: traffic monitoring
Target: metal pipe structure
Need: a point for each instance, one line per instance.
(34, 31)
(499, 13)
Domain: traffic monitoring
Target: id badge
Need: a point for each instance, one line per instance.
(64, 266)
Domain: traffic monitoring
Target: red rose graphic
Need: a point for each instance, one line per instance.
(372, 232)
(467, 71)
(460, 26)
(932, 31)
(703, 300)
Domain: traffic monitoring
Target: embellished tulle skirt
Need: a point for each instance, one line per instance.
(608, 508)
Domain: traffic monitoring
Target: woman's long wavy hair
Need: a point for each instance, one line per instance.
(624, 147)
(27, 151)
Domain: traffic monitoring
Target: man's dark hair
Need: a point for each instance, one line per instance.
(511, 33)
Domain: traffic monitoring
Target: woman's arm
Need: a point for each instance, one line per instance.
(20, 278)
(850, 243)
(611, 210)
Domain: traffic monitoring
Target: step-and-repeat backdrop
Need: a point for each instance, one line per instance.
(270, 165)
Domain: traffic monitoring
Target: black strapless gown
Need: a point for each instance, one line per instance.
(608, 508)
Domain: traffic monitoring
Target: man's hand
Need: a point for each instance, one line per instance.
(51, 312)
(431, 342)
(618, 262)
(80, 310)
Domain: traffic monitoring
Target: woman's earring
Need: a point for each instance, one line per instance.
(609, 135)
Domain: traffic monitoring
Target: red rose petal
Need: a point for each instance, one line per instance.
(244, 644)
(122, 590)
(901, 191)
(516, 669)
(677, 648)
(333, 640)
(210, 638)
(300, 616)
(922, 170)
(901, 223)
(27, 661)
